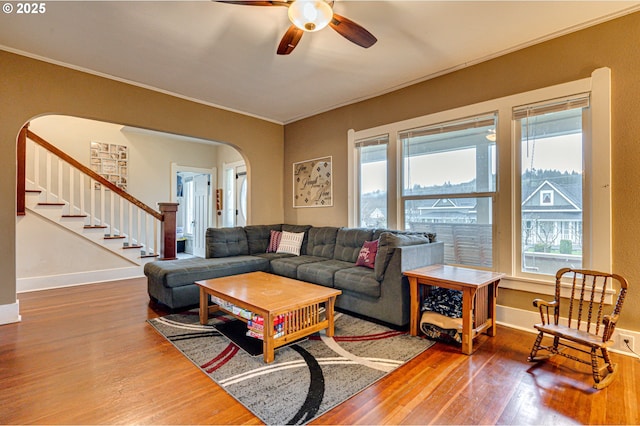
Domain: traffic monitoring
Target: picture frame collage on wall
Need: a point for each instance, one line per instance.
(110, 161)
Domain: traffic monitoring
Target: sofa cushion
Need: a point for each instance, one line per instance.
(226, 242)
(349, 242)
(258, 237)
(358, 280)
(270, 256)
(321, 272)
(386, 245)
(288, 266)
(176, 273)
(290, 242)
(322, 241)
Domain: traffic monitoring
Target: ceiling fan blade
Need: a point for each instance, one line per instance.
(290, 40)
(352, 31)
(256, 3)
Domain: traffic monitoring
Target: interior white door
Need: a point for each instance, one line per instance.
(241, 196)
(201, 206)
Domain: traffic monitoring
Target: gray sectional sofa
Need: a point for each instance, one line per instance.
(328, 257)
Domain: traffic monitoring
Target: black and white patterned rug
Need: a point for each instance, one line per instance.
(307, 378)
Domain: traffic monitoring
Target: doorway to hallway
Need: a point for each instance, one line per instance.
(192, 188)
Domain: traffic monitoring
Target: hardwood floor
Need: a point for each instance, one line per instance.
(85, 355)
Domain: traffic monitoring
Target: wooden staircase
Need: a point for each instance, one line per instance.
(60, 189)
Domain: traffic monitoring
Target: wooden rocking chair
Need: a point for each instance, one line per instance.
(588, 325)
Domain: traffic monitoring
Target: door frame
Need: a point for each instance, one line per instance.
(235, 165)
(213, 172)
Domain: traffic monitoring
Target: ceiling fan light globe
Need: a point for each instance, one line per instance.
(310, 15)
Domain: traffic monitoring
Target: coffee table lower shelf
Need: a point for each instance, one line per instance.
(300, 316)
(287, 338)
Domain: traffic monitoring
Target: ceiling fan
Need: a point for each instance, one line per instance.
(311, 16)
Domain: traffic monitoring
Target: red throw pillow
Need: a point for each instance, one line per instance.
(367, 256)
(274, 241)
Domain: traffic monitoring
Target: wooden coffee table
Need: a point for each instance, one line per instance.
(297, 303)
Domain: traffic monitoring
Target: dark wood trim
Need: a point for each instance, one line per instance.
(168, 231)
(21, 171)
(95, 176)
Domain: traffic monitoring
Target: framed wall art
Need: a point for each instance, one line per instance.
(111, 162)
(312, 183)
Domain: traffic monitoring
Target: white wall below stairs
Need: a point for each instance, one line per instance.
(50, 256)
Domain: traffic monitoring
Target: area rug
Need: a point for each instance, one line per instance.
(307, 378)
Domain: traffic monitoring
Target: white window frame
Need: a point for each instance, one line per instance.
(597, 166)
(356, 203)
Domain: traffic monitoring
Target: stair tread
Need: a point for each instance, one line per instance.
(149, 255)
(74, 215)
(95, 226)
(114, 237)
(131, 247)
(33, 191)
(51, 204)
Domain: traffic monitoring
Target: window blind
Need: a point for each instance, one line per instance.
(556, 105)
(451, 126)
(378, 140)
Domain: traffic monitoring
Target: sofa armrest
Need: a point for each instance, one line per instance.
(412, 257)
(395, 302)
(406, 258)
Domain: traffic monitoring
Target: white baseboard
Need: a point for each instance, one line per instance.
(79, 278)
(523, 320)
(10, 313)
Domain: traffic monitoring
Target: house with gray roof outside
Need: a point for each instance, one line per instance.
(551, 217)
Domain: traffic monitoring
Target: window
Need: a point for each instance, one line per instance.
(449, 180)
(551, 168)
(372, 183)
(546, 197)
(503, 183)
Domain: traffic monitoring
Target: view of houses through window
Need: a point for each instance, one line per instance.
(447, 184)
(449, 180)
(551, 187)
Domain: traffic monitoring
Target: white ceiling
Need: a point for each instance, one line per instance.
(225, 55)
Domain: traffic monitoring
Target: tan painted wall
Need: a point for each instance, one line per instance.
(29, 88)
(613, 44)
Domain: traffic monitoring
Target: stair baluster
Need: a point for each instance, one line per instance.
(136, 224)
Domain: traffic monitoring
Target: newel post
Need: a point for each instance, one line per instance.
(168, 230)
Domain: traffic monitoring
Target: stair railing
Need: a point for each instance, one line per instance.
(85, 193)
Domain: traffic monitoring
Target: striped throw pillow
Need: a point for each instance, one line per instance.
(274, 241)
(291, 242)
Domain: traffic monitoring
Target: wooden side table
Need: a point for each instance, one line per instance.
(479, 292)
